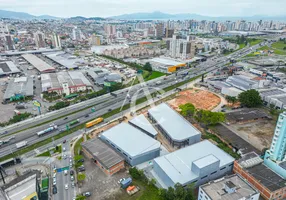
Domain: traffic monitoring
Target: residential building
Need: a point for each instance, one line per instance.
(169, 33)
(195, 164)
(107, 159)
(180, 48)
(76, 34)
(40, 39)
(135, 146)
(56, 41)
(271, 185)
(96, 40)
(177, 130)
(232, 187)
(159, 30)
(3, 29)
(9, 43)
(275, 157)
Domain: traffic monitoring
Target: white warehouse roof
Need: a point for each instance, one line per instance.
(38, 63)
(176, 126)
(143, 123)
(178, 165)
(130, 139)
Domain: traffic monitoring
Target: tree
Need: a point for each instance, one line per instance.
(250, 98)
(147, 67)
(80, 197)
(81, 177)
(210, 118)
(187, 110)
(231, 99)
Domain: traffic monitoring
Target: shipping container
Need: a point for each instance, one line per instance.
(93, 122)
(74, 122)
(21, 144)
(125, 183)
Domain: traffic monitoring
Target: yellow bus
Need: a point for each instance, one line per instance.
(94, 122)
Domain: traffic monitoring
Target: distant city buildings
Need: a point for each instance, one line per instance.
(96, 40)
(76, 34)
(56, 41)
(9, 43)
(159, 30)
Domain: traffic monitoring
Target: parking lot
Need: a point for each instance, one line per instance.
(99, 184)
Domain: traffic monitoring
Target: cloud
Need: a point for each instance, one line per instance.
(104, 8)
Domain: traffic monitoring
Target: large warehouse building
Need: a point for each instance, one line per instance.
(65, 82)
(196, 164)
(22, 86)
(103, 156)
(144, 125)
(135, 146)
(7, 68)
(173, 126)
(166, 65)
(38, 63)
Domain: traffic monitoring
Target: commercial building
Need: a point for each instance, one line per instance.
(40, 39)
(65, 82)
(246, 115)
(38, 63)
(232, 187)
(274, 96)
(275, 157)
(177, 130)
(180, 48)
(17, 87)
(142, 123)
(66, 60)
(24, 187)
(195, 164)
(242, 82)
(101, 76)
(103, 156)
(7, 68)
(231, 91)
(270, 184)
(135, 146)
(166, 65)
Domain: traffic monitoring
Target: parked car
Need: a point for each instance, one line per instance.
(86, 194)
(71, 172)
(55, 190)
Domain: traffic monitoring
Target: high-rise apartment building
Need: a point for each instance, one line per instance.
(96, 40)
(169, 33)
(180, 48)
(76, 34)
(159, 30)
(275, 157)
(3, 29)
(9, 43)
(110, 30)
(56, 41)
(40, 39)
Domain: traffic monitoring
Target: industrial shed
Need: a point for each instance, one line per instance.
(135, 146)
(8, 67)
(38, 63)
(195, 164)
(103, 156)
(178, 131)
(144, 125)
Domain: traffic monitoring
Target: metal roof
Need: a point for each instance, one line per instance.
(143, 123)
(130, 139)
(8, 68)
(19, 86)
(215, 189)
(178, 165)
(38, 63)
(102, 152)
(65, 59)
(176, 126)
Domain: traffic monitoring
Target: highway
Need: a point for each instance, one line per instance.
(103, 104)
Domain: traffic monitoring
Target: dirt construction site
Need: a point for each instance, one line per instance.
(201, 99)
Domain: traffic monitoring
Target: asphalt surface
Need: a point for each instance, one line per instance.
(103, 104)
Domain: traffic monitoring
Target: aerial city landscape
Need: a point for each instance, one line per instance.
(105, 105)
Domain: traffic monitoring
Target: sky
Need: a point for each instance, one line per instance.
(107, 8)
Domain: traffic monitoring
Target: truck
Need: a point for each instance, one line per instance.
(158, 82)
(113, 94)
(125, 183)
(50, 129)
(74, 122)
(21, 144)
(94, 122)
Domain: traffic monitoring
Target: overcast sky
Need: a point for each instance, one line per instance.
(106, 8)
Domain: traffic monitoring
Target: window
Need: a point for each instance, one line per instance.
(125, 154)
(107, 141)
(118, 150)
(204, 177)
(112, 145)
(195, 181)
(130, 158)
(223, 168)
(230, 165)
(213, 172)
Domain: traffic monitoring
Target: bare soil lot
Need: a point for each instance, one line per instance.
(201, 99)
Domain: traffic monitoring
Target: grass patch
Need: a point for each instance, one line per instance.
(77, 147)
(154, 75)
(255, 42)
(48, 154)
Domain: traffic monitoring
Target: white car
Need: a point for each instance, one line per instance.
(66, 186)
(54, 176)
(65, 156)
(64, 149)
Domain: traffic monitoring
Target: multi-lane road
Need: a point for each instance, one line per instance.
(103, 104)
